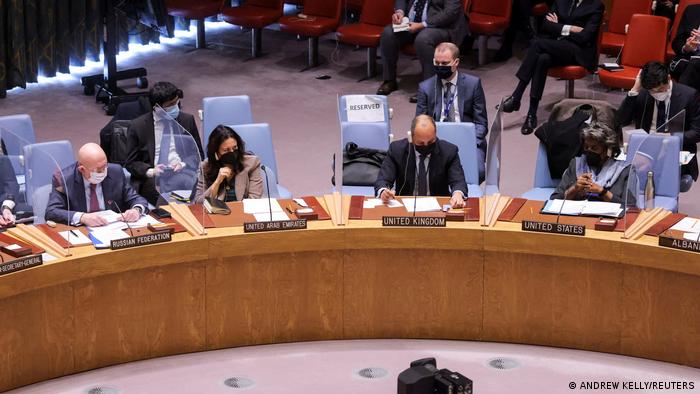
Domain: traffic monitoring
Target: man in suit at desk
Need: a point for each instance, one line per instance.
(93, 185)
(451, 96)
(653, 101)
(426, 167)
(146, 134)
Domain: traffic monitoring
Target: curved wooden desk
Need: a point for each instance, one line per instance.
(226, 289)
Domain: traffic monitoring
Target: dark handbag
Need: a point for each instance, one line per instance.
(113, 140)
(360, 165)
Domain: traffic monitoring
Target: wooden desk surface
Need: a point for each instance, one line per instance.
(599, 292)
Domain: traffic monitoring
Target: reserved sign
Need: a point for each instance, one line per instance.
(555, 228)
(20, 264)
(413, 221)
(682, 244)
(141, 240)
(277, 225)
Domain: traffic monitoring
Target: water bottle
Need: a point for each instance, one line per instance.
(649, 192)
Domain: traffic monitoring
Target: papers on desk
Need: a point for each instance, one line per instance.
(422, 204)
(102, 237)
(301, 202)
(582, 207)
(403, 26)
(143, 221)
(110, 216)
(375, 202)
(75, 237)
(48, 257)
(265, 217)
(687, 225)
(260, 205)
(691, 236)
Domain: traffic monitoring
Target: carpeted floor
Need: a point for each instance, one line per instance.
(301, 109)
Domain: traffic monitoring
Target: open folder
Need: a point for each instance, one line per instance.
(583, 208)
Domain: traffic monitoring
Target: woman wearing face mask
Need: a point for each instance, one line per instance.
(596, 175)
(234, 173)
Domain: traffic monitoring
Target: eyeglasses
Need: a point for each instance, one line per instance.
(450, 63)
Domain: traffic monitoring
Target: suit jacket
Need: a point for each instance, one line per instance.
(587, 15)
(445, 172)
(248, 183)
(471, 105)
(563, 142)
(8, 180)
(640, 109)
(141, 143)
(689, 21)
(65, 202)
(442, 14)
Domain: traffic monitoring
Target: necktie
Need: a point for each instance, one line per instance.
(448, 104)
(661, 117)
(418, 7)
(422, 178)
(94, 203)
(574, 3)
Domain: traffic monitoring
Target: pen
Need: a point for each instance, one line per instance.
(73, 232)
(531, 213)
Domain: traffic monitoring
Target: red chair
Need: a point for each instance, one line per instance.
(540, 9)
(645, 42)
(255, 15)
(322, 17)
(621, 11)
(670, 54)
(375, 15)
(486, 18)
(573, 72)
(356, 5)
(198, 10)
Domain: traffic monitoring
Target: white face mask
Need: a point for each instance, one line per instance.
(97, 177)
(661, 96)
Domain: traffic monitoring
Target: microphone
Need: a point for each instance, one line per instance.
(111, 202)
(415, 190)
(561, 208)
(267, 183)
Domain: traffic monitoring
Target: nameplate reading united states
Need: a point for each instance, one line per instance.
(141, 240)
(20, 264)
(682, 244)
(413, 221)
(555, 228)
(277, 225)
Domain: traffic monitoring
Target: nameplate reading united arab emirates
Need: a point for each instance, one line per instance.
(21, 263)
(413, 221)
(555, 228)
(275, 225)
(682, 244)
(141, 240)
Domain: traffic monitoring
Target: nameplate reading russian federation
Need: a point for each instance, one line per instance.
(141, 240)
(276, 225)
(556, 228)
(682, 244)
(21, 263)
(413, 221)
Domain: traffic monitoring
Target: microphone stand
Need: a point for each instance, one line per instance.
(111, 202)
(267, 183)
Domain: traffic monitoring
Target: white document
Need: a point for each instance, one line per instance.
(422, 204)
(371, 203)
(602, 208)
(301, 202)
(48, 257)
(260, 205)
(571, 207)
(75, 237)
(403, 26)
(363, 108)
(688, 225)
(583, 207)
(110, 216)
(265, 217)
(102, 237)
(691, 236)
(144, 221)
(686, 157)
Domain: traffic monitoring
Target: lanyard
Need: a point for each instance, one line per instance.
(448, 105)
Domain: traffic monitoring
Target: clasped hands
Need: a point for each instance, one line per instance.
(457, 200)
(585, 184)
(692, 42)
(552, 17)
(161, 168)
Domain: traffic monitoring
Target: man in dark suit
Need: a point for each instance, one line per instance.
(653, 100)
(428, 167)
(89, 186)
(451, 96)
(687, 44)
(146, 135)
(430, 23)
(571, 32)
(9, 191)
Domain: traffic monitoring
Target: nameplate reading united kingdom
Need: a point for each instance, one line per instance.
(275, 225)
(682, 244)
(413, 221)
(21, 263)
(141, 240)
(555, 228)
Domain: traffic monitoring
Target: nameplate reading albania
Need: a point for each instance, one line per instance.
(141, 240)
(682, 244)
(413, 221)
(277, 225)
(20, 264)
(555, 228)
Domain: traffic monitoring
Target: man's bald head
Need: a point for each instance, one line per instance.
(423, 131)
(91, 158)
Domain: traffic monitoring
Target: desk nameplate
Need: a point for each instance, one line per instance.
(21, 263)
(413, 221)
(141, 240)
(276, 225)
(554, 228)
(682, 244)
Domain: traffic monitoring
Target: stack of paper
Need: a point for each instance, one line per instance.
(102, 237)
(375, 202)
(582, 207)
(422, 204)
(687, 225)
(260, 208)
(75, 237)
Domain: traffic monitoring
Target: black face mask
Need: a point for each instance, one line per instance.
(229, 158)
(443, 72)
(592, 159)
(426, 149)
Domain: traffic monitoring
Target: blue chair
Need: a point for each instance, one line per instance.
(258, 139)
(42, 160)
(544, 185)
(19, 132)
(365, 135)
(463, 135)
(661, 153)
(228, 110)
(40, 199)
(343, 115)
